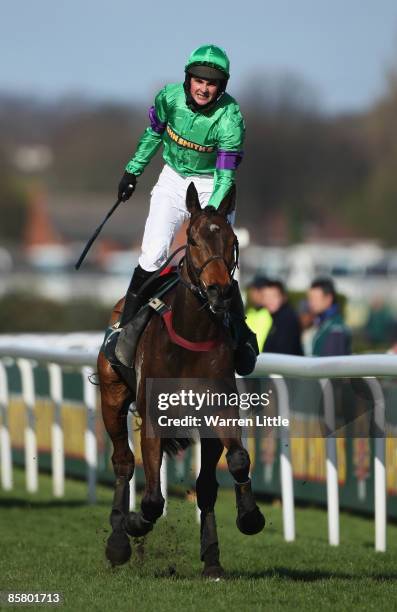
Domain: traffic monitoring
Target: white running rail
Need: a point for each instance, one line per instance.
(324, 368)
(274, 365)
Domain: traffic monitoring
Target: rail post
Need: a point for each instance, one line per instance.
(57, 440)
(91, 452)
(31, 453)
(286, 474)
(164, 481)
(5, 439)
(331, 462)
(130, 427)
(379, 464)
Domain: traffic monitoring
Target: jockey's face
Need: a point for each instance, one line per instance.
(203, 91)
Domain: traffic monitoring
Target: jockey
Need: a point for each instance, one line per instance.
(202, 130)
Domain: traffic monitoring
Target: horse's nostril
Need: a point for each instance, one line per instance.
(218, 293)
(213, 290)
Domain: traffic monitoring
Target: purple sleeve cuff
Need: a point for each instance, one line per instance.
(155, 123)
(228, 160)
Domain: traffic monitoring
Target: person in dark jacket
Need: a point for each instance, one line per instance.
(332, 336)
(284, 335)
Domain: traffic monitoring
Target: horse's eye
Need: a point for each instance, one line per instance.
(191, 241)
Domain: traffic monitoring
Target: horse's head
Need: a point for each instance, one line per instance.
(212, 249)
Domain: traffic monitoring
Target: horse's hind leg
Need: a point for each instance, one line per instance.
(152, 505)
(206, 490)
(115, 399)
(250, 519)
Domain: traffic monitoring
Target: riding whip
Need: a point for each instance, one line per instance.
(95, 234)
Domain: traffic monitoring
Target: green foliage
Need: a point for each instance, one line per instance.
(304, 172)
(12, 205)
(30, 313)
(92, 147)
(372, 208)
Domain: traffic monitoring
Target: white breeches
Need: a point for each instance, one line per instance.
(168, 212)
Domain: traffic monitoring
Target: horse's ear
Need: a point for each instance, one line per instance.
(228, 203)
(192, 200)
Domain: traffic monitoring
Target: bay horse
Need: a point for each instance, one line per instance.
(198, 300)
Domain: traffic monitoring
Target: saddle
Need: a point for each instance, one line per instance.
(134, 329)
(233, 329)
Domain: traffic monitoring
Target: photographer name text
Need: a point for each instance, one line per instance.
(217, 421)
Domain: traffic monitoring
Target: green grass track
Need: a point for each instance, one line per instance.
(52, 545)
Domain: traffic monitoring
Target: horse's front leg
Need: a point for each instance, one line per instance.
(250, 519)
(152, 505)
(206, 490)
(115, 399)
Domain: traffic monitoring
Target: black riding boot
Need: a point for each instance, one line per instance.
(247, 346)
(134, 299)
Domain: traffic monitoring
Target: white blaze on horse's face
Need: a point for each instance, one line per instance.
(214, 227)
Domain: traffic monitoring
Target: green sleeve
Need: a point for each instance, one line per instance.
(152, 137)
(230, 140)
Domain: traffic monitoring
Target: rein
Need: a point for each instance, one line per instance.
(195, 287)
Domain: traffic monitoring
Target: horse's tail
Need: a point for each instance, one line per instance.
(172, 446)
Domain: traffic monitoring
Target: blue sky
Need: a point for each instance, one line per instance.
(126, 50)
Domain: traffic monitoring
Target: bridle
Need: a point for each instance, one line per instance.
(195, 285)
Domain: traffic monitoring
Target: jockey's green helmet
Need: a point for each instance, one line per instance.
(208, 62)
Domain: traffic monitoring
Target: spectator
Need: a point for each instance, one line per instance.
(258, 318)
(284, 335)
(332, 336)
(306, 320)
(380, 322)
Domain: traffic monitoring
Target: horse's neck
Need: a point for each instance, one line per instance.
(190, 319)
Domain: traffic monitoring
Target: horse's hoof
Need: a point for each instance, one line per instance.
(136, 526)
(118, 549)
(213, 572)
(252, 522)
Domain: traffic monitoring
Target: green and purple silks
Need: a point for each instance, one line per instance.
(195, 143)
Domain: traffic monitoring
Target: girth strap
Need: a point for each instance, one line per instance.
(166, 314)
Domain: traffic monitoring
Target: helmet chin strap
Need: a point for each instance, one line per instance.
(192, 104)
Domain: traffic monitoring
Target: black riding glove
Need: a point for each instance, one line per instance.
(127, 186)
